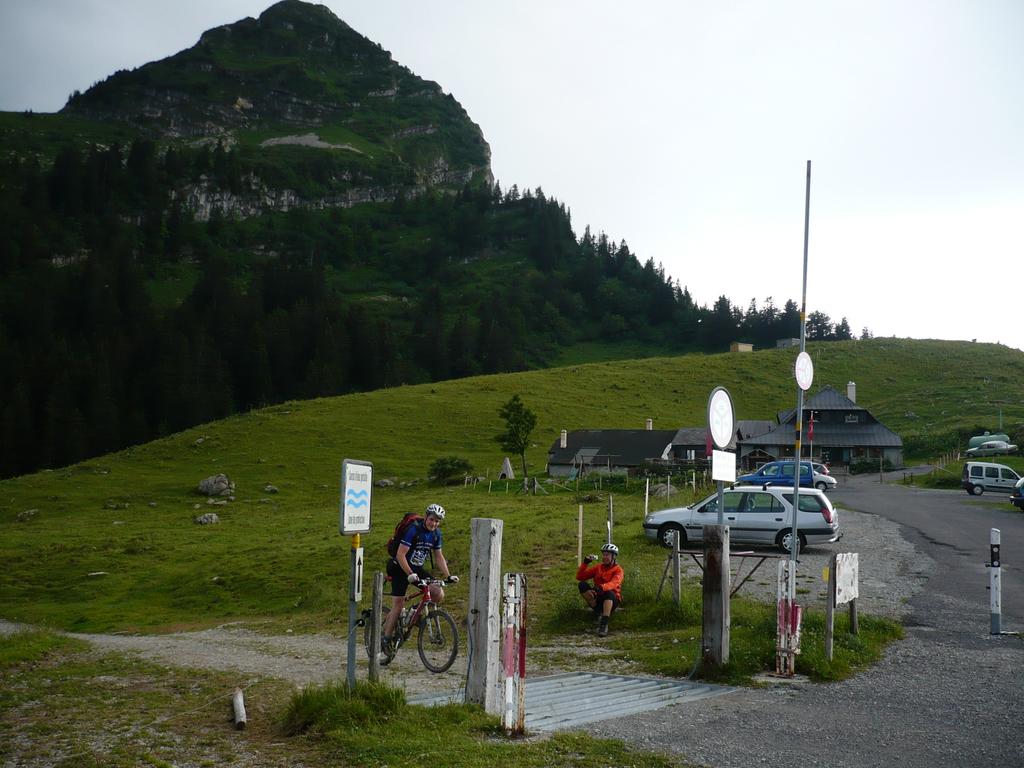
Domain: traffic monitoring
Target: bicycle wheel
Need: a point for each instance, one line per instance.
(438, 641)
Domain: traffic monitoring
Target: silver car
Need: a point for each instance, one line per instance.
(992, 448)
(754, 514)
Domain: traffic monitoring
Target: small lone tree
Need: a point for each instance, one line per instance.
(519, 423)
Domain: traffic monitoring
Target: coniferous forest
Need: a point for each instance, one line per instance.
(122, 318)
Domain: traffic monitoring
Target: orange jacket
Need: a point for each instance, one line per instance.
(607, 578)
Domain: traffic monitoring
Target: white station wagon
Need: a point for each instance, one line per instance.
(754, 514)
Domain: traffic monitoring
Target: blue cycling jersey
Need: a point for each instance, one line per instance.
(420, 542)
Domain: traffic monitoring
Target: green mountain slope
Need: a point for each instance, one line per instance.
(298, 71)
(128, 515)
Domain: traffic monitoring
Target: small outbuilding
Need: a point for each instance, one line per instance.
(607, 451)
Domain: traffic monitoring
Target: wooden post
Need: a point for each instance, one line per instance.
(375, 624)
(647, 496)
(238, 705)
(483, 622)
(677, 595)
(611, 516)
(579, 538)
(830, 607)
(716, 620)
(854, 629)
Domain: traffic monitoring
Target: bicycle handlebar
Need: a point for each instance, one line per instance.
(432, 582)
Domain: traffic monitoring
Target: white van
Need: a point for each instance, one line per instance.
(981, 476)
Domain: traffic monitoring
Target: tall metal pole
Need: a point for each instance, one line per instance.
(353, 611)
(795, 543)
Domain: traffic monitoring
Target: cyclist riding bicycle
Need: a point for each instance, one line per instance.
(605, 594)
(417, 543)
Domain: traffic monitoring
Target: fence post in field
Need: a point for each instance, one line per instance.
(375, 626)
(483, 623)
(676, 571)
(830, 607)
(716, 620)
(579, 537)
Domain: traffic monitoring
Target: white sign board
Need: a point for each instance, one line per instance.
(721, 417)
(803, 369)
(846, 577)
(356, 585)
(723, 466)
(356, 487)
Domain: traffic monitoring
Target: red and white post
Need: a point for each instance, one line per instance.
(514, 653)
(788, 620)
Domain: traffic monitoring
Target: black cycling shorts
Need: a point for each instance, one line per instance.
(601, 596)
(400, 579)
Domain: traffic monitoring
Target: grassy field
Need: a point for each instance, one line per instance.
(110, 544)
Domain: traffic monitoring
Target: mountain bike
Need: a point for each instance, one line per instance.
(437, 638)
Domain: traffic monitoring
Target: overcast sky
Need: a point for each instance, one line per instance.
(685, 127)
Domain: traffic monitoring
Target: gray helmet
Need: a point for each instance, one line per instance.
(611, 548)
(436, 510)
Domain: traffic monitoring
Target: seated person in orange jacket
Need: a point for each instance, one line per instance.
(605, 594)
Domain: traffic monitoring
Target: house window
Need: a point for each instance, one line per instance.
(691, 454)
(851, 418)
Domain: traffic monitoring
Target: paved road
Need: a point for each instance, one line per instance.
(949, 694)
(953, 528)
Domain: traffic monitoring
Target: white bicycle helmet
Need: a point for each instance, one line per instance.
(436, 510)
(611, 548)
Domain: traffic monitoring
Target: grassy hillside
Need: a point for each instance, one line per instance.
(128, 516)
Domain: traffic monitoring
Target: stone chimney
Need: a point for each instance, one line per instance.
(563, 439)
(649, 424)
(851, 390)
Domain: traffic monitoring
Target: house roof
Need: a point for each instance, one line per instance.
(825, 400)
(620, 447)
(746, 428)
(690, 436)
(833, 435)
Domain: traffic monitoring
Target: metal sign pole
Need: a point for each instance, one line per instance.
(804, 377)
(354, 595)
(354, 519)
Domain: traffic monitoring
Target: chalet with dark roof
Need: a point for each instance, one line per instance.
(844, 432)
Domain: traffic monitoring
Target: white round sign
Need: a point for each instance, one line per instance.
(804, 370)
(721, 417)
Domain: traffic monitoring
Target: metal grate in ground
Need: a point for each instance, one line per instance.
(564, 701)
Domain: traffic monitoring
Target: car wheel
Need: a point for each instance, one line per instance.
(821, 486)
(977, 490)
(785, 540)
(665, 535)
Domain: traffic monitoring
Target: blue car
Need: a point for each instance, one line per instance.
(1017, 499)
(781, 473)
